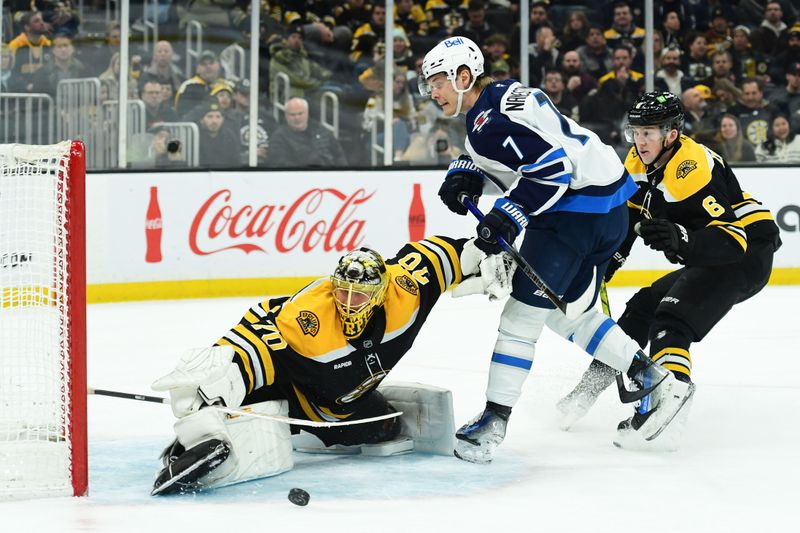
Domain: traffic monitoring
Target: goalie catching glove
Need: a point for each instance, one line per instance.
(493, 274)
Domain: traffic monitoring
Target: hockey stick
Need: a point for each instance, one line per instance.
(624, 393)
(572, 309)
(244, 412)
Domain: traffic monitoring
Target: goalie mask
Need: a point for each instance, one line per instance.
(359, 286)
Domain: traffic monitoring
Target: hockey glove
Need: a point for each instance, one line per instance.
(665, 236)
(506, 219)
(463, 177)
(485, 274)
(614, 264)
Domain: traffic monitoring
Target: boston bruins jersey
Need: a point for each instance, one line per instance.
(294, 347)
(698, 190)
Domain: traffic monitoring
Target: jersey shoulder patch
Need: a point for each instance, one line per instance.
(688, 171)
(636, 168)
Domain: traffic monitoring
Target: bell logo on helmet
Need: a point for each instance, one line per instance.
(453, 42)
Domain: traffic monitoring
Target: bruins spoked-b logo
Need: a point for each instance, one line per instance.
(309, 323)
(407, 284)
(684, 168)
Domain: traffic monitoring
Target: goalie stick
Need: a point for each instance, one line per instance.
(571, 309)
(243, 412)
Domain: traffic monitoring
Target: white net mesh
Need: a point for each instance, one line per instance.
(35, 435)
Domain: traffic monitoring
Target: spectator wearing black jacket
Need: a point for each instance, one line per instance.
(301, 143)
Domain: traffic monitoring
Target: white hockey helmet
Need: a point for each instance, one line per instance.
(446, 57)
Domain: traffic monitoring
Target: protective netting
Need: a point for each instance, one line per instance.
(35, 439)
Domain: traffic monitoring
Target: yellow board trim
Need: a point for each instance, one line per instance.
(200, 288)
(258, 287)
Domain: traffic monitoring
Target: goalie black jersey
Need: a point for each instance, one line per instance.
(294, 347)
(698, 190)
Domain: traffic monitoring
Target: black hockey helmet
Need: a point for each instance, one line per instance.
(657, 109)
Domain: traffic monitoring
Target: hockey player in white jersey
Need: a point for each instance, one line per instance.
(567, 190)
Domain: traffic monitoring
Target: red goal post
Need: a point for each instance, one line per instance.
(43, 440)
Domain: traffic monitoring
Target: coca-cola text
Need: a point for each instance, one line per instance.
(308, 223)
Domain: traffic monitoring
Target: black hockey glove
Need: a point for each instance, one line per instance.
(665, 236)
(463, 177)
(614, 264)
(506, 219)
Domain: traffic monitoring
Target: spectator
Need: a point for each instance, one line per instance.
(162, 66)
(404, 113)
(730, 142)
(475, 27)
(751, 12)
(367, 35)
(697, 123)
(673, 31)
(155, 108)
(411, 17)
(223, 94)
(500, 70)
(538, 17)
(543, 55)
(718, 36)
(721, 68)
(155, 150)
(240, 122)
(595, 56)
(64, 66)
(789, 55)
(624, 30)
(622, 73)
(671, 76)
(579, 82)
(403, 56)
(197, 89)
(435, 148)
(110, 79)
(696, 63)
(219, 147)
(62, 18)
(782, 145)
(353, 14)
(727, 96)
(754, 112)
(787, 98)
(772, 35)
(30, 44)
(11, 81)
(99, 55)
(300, 142)
(747, 62)
(290, 57)
(555, 87)
(575, 31)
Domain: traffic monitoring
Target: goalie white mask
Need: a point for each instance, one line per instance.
(359, 285)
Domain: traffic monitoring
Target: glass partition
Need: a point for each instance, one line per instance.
(322, 70)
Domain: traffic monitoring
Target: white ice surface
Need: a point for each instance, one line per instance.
(737, 471)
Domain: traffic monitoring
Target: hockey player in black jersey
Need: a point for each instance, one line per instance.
(688, 206)
(319, 356)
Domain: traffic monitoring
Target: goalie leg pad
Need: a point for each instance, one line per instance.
(427, 417)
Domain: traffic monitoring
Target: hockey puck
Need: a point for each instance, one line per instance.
(299, 497)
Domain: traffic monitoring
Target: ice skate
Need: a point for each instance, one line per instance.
(476, 440)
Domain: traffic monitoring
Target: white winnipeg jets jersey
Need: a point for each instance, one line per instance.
(538, 157)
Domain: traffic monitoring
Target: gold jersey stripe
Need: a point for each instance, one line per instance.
(672, 350)
(730, 228)
(261, 348)
(677, 367)
(451, 253)
(251, 382)
(306, 405)
(435, 263)
(332, 414)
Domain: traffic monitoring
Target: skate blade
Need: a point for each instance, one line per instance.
(188, 480)
(666, 421)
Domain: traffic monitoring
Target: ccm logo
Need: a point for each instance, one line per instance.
(784, 214)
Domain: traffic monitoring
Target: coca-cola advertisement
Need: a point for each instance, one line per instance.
(255, 225)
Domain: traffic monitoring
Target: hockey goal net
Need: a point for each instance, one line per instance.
(43, 448)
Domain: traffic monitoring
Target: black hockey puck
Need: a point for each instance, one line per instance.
(299, 497)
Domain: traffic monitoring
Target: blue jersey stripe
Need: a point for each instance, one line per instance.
(594, 342)
(587, 201)
(510, 360)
